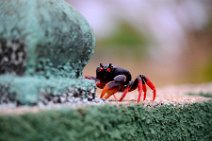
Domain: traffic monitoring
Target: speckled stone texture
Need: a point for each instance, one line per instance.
(42, 43)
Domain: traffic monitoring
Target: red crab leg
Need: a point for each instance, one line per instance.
(144, 89)
(139, 91)
(151, 85)
(124, 93)
(115, 97)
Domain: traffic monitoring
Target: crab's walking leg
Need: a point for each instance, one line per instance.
(144, 89)
(150, 84)
(140, 83)
(137, 83)
(132, 86)
(124, 93)
(115, 97)
(139, 90)
(91, 78)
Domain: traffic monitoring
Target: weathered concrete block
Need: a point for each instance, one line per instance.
(42, 42)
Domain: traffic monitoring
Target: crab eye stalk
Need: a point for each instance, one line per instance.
(101, 65)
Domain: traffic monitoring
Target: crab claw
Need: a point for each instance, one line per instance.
(110, 89)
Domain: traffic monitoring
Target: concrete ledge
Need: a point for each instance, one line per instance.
(188, 122)
(31, 90)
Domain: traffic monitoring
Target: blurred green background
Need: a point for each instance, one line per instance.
(168, 41)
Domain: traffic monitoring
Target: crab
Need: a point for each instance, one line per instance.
(112, 79)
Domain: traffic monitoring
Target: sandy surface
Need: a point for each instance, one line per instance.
(166, 95)
(171, 95)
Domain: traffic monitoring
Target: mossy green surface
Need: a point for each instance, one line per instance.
(58, 40)
(107, 123)
(28, 90)
(46, 43)
(206, 95)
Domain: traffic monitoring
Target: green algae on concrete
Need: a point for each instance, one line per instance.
(111, 123)
(29, 90)
(52, 33)
(42, 41)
